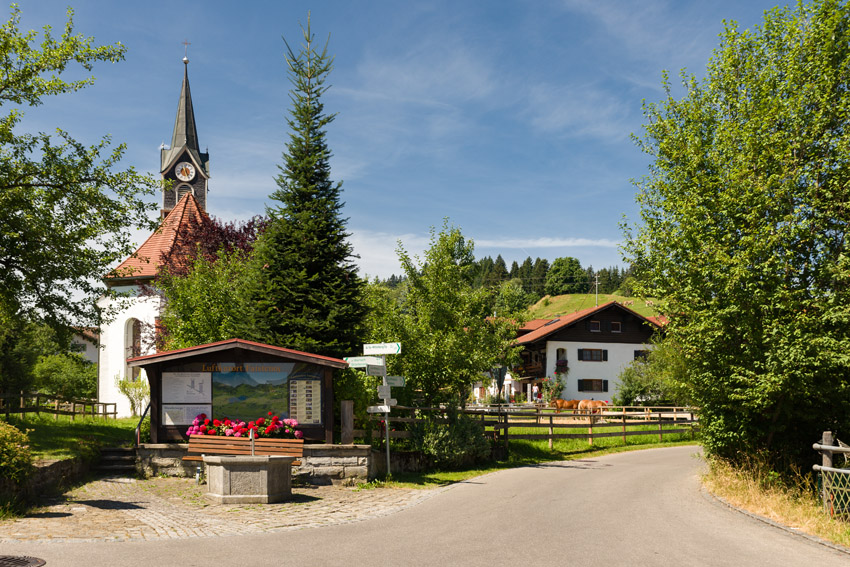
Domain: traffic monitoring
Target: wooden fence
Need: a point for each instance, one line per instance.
(499, 421)
(29, 402)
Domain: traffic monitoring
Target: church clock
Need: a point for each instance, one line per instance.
(184, 171)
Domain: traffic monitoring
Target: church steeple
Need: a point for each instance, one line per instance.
(182, 163)
(185, 133)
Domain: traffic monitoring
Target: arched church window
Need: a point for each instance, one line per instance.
(182, 190)
(132, 346)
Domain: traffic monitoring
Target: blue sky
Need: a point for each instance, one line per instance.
(512, 119)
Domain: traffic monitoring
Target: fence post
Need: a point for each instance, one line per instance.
(551, 432)
(826, 461)
(56, 409)
(38, 404)
(624, 425)
(660, 428)
(590, 429)
(346, 410)
(826, 439)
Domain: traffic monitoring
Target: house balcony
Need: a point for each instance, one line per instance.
(530, 370)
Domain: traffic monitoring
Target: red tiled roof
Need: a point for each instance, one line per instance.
(659, 320)
(534, 324)
(230, 343)
(565, 320)
(144, 262)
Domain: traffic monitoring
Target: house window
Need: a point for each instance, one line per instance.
(641, 354)
(593, 385)
(592, 355)
(616, 327)
(595, 326)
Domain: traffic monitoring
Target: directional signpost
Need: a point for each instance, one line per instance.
(376, 366)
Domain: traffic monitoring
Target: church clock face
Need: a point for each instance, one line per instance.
(184, 171)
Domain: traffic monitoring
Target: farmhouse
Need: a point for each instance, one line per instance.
(593, 345)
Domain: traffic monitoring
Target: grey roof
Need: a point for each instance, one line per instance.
(185, 136)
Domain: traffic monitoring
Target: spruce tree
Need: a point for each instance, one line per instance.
(307, 294)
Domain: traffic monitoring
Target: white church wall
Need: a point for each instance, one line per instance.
(115, 343)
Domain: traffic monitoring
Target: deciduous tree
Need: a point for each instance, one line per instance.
(65, 212)
(744, 222)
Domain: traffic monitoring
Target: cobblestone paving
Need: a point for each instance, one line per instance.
(123, 509)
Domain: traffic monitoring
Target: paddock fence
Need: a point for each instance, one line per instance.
(21, 403)
(834, 480)
(503, 423)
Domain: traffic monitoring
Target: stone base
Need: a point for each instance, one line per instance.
(249, 480)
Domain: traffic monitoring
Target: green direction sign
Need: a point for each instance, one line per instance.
(363, 361)
(395, 381)
(382, 348)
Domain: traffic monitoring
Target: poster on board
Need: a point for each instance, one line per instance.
(187, 387)
(182, 414)
(305, 401)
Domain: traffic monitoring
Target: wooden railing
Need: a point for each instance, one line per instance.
(29, 402)
(498, 421)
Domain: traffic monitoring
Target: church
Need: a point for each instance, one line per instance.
(129, 332)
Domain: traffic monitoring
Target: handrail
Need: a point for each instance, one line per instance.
(139, 426)
(830, 448)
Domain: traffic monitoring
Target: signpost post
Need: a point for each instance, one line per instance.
(376, 366)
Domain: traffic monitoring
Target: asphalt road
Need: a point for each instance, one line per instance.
(637, 509)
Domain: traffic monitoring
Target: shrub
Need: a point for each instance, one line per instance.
(137, 391)
(451, 445)
(15, 456)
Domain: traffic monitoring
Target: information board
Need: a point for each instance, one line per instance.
(187, 388)
(305, 401)
(182, 414)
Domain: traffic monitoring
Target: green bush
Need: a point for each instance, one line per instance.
(458, 443)
(137, 391)
(15, 456)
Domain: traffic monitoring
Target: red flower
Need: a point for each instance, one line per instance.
(206, 422)
(270, 413)
(269, 429)
(261, 421)
(216, 423)
(203, 429)
(228, 422)
(275, 418)
(251, 425)
(202, 416)
(211, 432)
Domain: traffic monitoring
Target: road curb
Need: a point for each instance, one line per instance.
(799, 533)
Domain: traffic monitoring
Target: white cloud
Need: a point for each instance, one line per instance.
(377, 251)
(579, 110)
(547, 242)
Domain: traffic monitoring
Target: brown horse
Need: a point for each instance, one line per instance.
(592, 406)
(561, 405)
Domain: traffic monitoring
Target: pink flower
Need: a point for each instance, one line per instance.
(299, 434)
(228, 432)
(237, 434)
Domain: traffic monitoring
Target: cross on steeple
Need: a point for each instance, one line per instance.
(186, 45)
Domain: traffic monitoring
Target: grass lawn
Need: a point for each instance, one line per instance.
(551, 307)
(62, 438)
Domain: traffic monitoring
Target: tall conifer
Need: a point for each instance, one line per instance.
(307, 294)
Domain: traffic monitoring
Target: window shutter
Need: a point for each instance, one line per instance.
(605, 355)
(581, 354)
(581, 385)
(605, 385)
(608, 326)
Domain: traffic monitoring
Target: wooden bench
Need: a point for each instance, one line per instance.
(215, 445)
